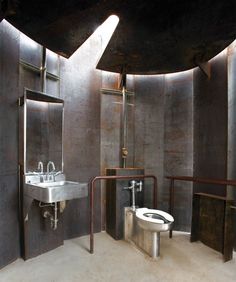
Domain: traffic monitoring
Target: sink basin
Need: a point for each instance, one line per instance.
(49, 192)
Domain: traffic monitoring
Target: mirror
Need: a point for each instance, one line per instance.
(43, 125)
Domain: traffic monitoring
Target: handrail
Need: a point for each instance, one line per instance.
(196, 180)
(114, 177)
(204, 180)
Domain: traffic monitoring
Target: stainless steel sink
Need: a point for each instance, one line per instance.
(49, 192)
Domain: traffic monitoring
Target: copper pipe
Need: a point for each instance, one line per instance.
(124, 128)
(92, 186)
(124, 119)
(204, 180)
(171, 202)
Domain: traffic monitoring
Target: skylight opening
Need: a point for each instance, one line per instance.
(104, 31)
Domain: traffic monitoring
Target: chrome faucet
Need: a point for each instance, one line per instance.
(53, 167)
(55, 174)
(40, 167)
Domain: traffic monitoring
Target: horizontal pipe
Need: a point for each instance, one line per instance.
(195, 180)
(114, 177)
(37, 70)
(115, 92)
(204, 180)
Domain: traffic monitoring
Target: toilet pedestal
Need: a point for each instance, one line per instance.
(155, 244)
(146, 241)
(117, 199)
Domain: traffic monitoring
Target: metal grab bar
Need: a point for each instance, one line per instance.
(114, 177)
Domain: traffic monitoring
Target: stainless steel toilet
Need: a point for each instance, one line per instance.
(154, 221)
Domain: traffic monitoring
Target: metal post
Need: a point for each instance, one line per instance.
(171, 203)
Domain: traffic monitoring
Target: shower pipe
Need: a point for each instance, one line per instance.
(124, 119)
(195, 180)
(43, 69)
(114, 177)
(124, 126)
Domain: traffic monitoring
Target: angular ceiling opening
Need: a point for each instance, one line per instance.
(152, 36)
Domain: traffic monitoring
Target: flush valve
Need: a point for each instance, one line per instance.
(135, 186)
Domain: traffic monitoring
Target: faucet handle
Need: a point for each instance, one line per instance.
(132, 184)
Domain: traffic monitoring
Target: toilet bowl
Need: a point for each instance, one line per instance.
(143, 225)
(154, 220)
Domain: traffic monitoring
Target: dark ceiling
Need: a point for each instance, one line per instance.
(152, 36)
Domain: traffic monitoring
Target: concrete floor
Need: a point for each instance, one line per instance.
(119, 261)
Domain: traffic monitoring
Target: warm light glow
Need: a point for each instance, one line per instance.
(52, 54)
(40, 105)
(221, 54)
(176, 75)
(28, 42)
(233, 44)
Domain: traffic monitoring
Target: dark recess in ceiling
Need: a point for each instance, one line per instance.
(152, 36)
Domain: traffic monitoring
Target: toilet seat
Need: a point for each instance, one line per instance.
(140, 213)
(146, 220)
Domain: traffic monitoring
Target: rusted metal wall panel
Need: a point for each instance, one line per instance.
(111, 113)
(157, 119)
(39, 237)
(149, 130)
(210, 124)
(80, 89)
(9, 73)
(178, 145)
(232, 114)
(212, 223)
(231, 191)
(111, 109)
(110, 132)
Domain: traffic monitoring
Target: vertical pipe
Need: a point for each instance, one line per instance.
(92, 185)
(124, 126)
(55, 221)
(124, 151)
(154, 192)
(43, 70)
(171, 201)
(133, 195)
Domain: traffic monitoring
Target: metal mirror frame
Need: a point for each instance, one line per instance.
(41, 97)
